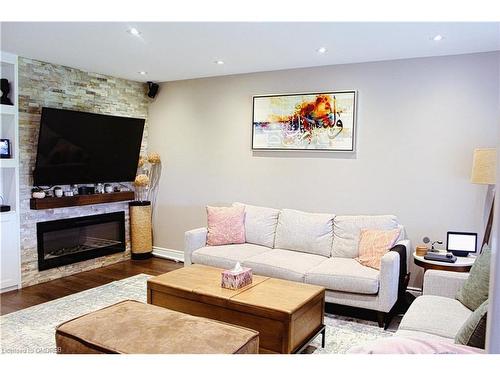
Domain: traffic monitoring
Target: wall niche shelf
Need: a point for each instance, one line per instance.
(7, 109)
(80, 200)
(8, 163)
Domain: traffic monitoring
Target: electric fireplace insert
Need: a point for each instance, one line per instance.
(67, 241)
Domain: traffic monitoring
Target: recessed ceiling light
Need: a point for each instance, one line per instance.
(134, 31)
(321, 50)
(437, 38)
(143, 73)
(219, 62)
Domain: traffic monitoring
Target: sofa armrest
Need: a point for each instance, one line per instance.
(409, 254)
(193, 240)
(443, 283)
(389, 281)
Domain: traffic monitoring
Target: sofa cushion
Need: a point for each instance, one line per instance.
(344, 275)
(473, 332)
(226, 256)
(283, 264)
(226, 225)
(374, 244)
(436, 315)
(260, 224)
(476, 288)
(305, 232)
(347, 229)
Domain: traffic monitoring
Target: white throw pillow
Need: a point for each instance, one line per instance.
(347, 230)
(260, 224)
(305, 232)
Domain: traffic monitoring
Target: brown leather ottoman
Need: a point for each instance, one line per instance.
(132, 327)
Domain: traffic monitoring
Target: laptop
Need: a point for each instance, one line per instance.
(461, 244)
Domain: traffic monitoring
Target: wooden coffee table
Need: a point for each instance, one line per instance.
(288, 315)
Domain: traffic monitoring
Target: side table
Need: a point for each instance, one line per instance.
(463, 264)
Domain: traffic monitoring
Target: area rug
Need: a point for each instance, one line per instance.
(32, 330)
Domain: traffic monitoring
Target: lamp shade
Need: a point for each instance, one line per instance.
(484, 166)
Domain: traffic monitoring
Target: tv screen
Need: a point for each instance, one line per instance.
(79, 147)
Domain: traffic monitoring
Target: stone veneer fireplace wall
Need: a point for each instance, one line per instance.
(44, 84)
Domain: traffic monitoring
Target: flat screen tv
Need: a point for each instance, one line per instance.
(79, 147)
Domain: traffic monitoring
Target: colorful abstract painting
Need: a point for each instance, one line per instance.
(313, 121)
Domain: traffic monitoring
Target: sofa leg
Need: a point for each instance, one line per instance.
(381, 316)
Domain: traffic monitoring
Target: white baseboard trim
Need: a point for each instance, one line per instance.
(10, 288)
(414, 290)
(172, 254)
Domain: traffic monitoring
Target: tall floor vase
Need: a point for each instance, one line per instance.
(140, 230)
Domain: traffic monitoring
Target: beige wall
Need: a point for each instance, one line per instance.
(418, 123)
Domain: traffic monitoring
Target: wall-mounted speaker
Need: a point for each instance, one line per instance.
(152, 89)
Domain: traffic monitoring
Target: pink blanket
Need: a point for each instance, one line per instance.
(406, 345)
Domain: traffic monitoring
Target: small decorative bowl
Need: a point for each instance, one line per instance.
(38, 194)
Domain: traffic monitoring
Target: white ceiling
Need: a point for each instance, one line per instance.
(171, 51)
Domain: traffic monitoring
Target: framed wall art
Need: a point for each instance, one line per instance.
(324, 121)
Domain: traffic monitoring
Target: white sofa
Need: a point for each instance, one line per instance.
(431, 323)
(436, 314)
(311, 248)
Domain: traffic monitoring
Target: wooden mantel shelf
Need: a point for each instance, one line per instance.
(80, 200)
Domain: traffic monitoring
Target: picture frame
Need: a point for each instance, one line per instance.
(5, 150)
(312, 121)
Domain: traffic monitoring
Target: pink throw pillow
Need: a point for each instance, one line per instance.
(226, 225)
(373, 244)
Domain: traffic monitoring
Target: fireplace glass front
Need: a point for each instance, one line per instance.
(62, 242)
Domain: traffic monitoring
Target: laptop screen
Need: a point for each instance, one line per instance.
(458, 241)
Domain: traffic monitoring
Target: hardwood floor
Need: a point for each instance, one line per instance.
(40, 293)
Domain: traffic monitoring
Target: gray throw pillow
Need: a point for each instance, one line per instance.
(473, 332)
(475, 289)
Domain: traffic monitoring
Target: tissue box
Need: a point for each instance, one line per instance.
(235, 280)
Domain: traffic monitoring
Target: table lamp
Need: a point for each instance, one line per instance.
(484, 173)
